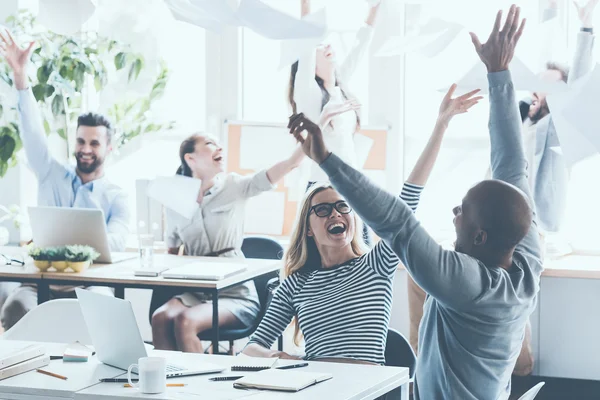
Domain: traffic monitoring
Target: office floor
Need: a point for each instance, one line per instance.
(557, 389)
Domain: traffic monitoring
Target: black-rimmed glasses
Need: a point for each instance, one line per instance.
(325, 209)
(11, 261)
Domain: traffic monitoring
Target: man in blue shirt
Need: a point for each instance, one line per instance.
(60, 184)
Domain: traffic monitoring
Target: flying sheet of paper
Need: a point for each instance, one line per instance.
(274, 24)
(575, 146)
(523, 79)
(255, 155)
(362, 145)
(65, 17)
(185, 11)
(178, 193)
(582, 111)
(221, 10)
(430, 39)
(265, 214)
(293, 49)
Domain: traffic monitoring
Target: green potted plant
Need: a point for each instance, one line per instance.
(40, 258)
(80, 257)
(57, 257)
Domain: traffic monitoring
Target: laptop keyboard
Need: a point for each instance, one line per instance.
(174, 368)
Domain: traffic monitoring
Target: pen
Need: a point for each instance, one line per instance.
(41, 371)
(225, 378)
(293, 366)
(127, 385)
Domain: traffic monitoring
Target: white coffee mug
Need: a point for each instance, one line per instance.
(152, 375)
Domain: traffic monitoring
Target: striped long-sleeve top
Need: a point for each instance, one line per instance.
(343, 311)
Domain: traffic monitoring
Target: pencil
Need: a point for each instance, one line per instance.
(127, 385)
(41, 371)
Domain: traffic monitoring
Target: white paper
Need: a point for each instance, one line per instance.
(362, 146)
(265, 214)
(582, 110)
(65, 17)
(523, 79)
(221, 10)
(178, 193)
(293, 49)
(249, 361)
(262, 147)
(574, 144)
(274, 24)
(429, 40)
(184, 11)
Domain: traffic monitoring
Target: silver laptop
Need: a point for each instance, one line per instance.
(61, 226)
(116, 337)
(207, 271)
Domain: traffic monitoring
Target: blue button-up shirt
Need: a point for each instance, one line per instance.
(60, 186)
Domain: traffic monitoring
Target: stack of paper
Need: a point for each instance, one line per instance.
(77, 352)
(22, 360)
(247, 363)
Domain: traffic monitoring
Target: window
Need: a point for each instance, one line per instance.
(265, 85)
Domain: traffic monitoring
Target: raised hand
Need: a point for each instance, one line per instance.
(331, 110)
(459, 105)
(16, 57)
(499, 49)
(313, 144)
(586, 13)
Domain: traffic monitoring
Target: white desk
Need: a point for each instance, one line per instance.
(35, 386)
(350, 382)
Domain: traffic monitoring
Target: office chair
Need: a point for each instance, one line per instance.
(399, 353)
(254, 247)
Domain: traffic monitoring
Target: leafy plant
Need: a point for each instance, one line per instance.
(11, 212)
(65, 66)
(38, 254)
(78, 253)
(55, 253)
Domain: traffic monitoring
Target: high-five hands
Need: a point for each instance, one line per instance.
(310, 137)
(499, 49)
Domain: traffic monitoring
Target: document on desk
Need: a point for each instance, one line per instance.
(281, 380)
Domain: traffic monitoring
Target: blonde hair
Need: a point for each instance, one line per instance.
(303, 252)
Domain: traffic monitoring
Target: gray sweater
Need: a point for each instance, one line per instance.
(475, 315)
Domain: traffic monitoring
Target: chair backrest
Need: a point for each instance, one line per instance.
(531, 393)
(398, 352)
(268, 249)
(55, 321)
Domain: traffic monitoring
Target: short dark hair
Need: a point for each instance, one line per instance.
(563, 69)
(93, 119)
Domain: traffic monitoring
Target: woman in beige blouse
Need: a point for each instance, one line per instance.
(216, 229)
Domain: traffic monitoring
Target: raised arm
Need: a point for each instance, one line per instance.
(584, 49)
(32, 128)
(448, 109)
(439, 272)
(507, 153)
(282, 168)
(361, 44)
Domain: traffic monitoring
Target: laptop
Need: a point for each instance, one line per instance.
(62, 226)
(205, 270)
(116, 337)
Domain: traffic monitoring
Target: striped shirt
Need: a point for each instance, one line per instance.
(343, 311)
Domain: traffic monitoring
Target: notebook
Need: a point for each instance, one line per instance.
(246, 363)
(281, 380)
(25, 353)
(24, 366)
(211, 271)
(77, 352)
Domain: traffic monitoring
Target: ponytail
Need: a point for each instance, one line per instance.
(187, 146)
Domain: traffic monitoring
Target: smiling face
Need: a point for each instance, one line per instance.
(336, 229)
(91, 148)
(207, 159)
(325, 61)
(539, 107)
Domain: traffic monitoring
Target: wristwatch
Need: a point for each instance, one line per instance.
(590, 30)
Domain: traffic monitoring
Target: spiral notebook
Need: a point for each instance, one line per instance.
(247, 363)
(281, 380)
